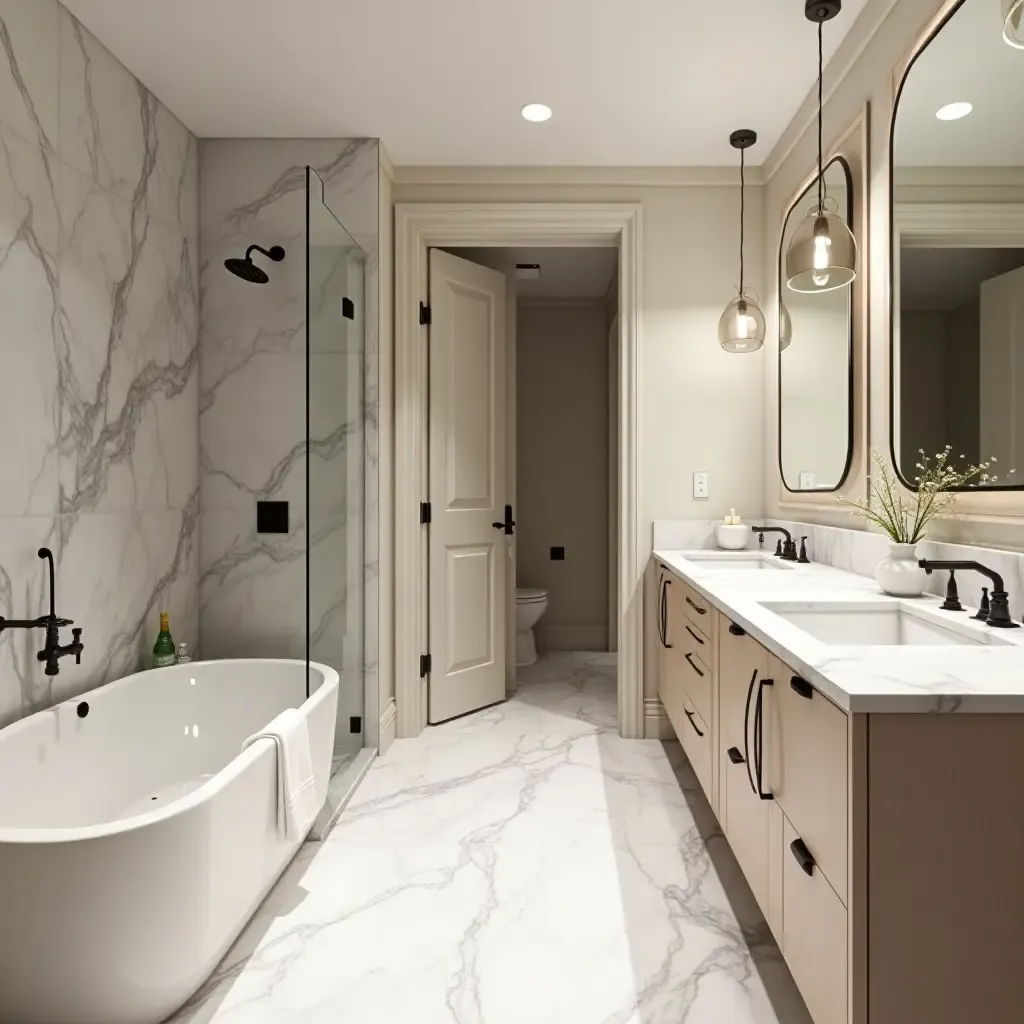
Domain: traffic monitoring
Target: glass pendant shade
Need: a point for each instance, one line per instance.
(785, 328)
(1013, 23)
(742, 327)
(822, 255)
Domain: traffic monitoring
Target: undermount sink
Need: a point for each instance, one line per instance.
(746, 560)
(890, 625)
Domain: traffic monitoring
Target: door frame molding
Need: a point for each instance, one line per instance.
(418, 227)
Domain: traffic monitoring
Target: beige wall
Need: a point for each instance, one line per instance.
(863, 68)
(562, 467)
(700, 408)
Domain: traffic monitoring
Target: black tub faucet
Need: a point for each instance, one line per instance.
(52, 650)
(788, 549)
(999, 601)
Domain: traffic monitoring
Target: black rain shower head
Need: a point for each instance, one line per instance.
(247, 270)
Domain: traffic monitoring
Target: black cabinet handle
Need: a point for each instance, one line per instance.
(661, 611)
(689, 715)
(696, 636)
(664, 613)
(696, 607)
(803, 856)
(746, 731)
(737, 630)
(802, 687)
(759, 738)
(734, 755)
(693, 665)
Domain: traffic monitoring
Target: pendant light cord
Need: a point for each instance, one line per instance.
(743, 190)
(821, 75)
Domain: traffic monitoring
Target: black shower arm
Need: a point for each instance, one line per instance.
(257, 248)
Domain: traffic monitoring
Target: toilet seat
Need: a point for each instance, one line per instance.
(528, 595)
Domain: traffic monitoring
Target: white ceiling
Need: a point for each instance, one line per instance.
(579, 273)
(967, 60)
(658, 83)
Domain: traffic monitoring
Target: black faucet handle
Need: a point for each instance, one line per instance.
(76, 634)
(778, 548)
(984, 607)
(803, 559)
(952, 602)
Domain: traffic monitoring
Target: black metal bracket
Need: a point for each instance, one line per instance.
(426, 664)
(425, 512)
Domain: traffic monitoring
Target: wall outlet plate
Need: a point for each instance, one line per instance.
(700, 484)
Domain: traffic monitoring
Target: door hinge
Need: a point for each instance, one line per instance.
(424, 314)
(425, 665)
(425, 513)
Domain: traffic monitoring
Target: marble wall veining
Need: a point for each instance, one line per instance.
(98, 355)
(253, 411)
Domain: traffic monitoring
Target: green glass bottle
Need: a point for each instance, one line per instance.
(163, 649)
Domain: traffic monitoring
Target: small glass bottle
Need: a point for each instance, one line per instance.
(163, 649)
(184, 655)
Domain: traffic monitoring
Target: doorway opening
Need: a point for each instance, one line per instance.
(457, 461)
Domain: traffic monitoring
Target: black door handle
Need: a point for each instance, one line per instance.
(696, 607)
(689, 715)
(696, 636)
(509, 525)
(803, 856)
(690, 661)
(737, 630)
(734, 755)
(802, 687)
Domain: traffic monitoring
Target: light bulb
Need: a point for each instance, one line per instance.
(743, 324)
(822, 244)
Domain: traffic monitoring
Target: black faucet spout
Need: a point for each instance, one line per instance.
(788, 552)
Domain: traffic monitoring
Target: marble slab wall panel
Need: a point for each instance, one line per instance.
(686, 535)
(253, 414)
(99, 381)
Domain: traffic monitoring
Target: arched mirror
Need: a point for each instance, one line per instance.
(957, 174)
(816, 359)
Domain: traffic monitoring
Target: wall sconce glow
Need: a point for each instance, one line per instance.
(954, 111)
(1013, 25)
(537, 112)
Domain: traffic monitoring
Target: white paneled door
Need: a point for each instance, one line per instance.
(468, 547)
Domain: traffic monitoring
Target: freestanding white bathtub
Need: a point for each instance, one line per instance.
(136, 840)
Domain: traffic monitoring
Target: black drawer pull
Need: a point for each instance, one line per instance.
(693, 665)
(696, 636)
(689, 715)
(737, 630)
(803, 856)
(734, 755)
(802, 687)
(696, 607)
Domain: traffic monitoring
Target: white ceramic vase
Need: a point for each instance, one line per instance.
(899, 575)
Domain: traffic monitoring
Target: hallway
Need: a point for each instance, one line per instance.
(523, 864)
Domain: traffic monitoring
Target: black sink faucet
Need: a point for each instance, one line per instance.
(52, 650)
(999, 606)
(788, 552)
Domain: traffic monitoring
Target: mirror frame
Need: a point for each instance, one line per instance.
(848, 216)
(1001, 503)
(852, 148)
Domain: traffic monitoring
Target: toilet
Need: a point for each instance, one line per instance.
(530, 606)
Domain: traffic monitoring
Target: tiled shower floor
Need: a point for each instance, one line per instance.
(523, 865)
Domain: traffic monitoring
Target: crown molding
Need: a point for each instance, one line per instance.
(630, 177)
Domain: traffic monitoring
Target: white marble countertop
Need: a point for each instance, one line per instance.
(943, 678)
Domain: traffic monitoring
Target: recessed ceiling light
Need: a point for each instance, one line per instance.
(536, 112)
(954, 111)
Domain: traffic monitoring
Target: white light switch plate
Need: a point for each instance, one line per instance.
(700, 485)
(807, 481)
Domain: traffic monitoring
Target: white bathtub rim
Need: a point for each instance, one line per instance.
(235, 767)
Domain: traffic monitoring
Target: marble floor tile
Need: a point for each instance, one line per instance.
(521, 864)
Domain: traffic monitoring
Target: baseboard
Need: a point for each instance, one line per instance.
(388, 726)
(573, 638)
(656, 723)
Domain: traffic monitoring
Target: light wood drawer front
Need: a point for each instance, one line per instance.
(697, 677)
(814, 936)
(739, 658)
(806, 769)
(696, 608)
(693, 733)
(745, 821)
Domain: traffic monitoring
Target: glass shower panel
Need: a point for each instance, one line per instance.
(335, 355)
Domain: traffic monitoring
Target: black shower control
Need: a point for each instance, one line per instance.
(271, 516)
(558, 554)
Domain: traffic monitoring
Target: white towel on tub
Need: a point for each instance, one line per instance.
(296, 787)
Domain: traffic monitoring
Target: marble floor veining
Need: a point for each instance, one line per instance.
(523, 865)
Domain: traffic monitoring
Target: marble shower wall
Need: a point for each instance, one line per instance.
(98, 356)
(253, 412)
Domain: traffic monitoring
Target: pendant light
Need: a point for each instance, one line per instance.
(742, 328)
(822, 255)
(1013, 23)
